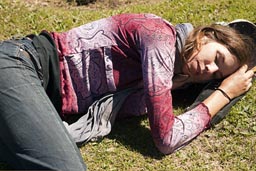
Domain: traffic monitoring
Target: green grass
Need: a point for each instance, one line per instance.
(230, 146)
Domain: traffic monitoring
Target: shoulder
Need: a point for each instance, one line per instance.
(145, 20)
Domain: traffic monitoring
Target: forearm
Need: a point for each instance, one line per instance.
(205, 93)
(215, 102)
(186, 127)
(190, 124)
(233, 86)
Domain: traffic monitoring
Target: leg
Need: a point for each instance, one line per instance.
(30, 129)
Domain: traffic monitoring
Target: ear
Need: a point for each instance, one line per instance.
(204, 40)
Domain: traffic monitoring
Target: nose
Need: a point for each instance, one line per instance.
(211, 68)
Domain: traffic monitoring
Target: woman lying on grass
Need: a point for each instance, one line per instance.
(49, 77)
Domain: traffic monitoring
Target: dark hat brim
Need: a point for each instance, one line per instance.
(244, 27)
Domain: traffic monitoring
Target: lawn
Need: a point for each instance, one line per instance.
(229, 146)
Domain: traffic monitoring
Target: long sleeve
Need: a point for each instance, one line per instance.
(157, 56)
(121, 51)
(186, 127)
(157, 46)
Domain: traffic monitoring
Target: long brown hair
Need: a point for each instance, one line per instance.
(239, 45)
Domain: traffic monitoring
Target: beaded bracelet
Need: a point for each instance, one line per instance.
(223, 92)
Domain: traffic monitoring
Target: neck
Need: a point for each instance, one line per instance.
(178, 64)
(179, 79)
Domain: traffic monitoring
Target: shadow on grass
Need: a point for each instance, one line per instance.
(82, 2)
(4, 166)
(134, 134)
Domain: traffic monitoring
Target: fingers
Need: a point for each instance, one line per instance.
(254, 69)
(244, 78)
(248, 78)
(249, 73)
(248, 86)
(243, 68)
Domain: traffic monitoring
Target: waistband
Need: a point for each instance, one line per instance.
(28, 47)
(24, 45)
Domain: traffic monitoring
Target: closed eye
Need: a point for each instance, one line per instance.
(218, 60)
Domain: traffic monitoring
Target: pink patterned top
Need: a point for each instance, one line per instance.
(122, 51)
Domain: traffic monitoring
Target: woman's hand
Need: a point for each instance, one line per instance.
(234, 85)
(238, 83)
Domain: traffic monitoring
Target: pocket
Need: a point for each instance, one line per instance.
(12, 56)
(10, 48)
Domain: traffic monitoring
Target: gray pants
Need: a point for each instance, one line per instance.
(32, 135)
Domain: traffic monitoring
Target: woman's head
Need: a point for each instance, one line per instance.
(214, 52)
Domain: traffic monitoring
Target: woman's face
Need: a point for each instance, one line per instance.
(212, 61)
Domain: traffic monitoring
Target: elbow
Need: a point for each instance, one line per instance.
(168, 145)
(165, 149)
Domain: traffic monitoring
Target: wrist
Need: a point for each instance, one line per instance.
(224, 94)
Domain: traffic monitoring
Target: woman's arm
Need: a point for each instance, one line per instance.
(189, 125)
(235, 85)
